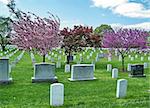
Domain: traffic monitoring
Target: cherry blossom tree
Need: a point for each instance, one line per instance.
(30, 32)
(77, 38)
(125, 39)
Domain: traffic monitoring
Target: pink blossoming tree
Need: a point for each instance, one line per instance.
(30, 32)
(125, 39)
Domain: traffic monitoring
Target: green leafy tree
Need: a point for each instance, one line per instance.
(102, 28)
(5, 30)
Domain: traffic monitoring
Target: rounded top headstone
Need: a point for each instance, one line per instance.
(57, 84)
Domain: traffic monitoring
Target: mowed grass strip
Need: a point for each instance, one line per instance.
(100, 93)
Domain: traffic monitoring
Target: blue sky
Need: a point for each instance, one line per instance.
(134, 13)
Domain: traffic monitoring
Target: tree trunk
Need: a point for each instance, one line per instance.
(44, 58)
(3, 48)
(123, 68)
(68, 58)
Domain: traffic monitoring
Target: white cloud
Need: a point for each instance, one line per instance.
(132, 10)
(108, 3)
(4, 1)
(124, 7)
(144, 26)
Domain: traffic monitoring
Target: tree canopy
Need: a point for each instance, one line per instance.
(102, 28)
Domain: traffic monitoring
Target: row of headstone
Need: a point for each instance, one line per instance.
(11, 54)
(57, 92)
(13, 64)
(136, 70)
(51, 59)
(136, 56)
(32, 59)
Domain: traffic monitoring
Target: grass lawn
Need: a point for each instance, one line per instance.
(100, 93)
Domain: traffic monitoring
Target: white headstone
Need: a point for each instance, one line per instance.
(145, 65)
(132, 58)
(82, 72)
(136, 56)
(88, 57)
(129, 56)
(56, 94)
(67, 68)
(109, 67)
(109, 59)
(52, 53)
(58, 64)
(121, 88)
(91, 54)
(142, 58)
(149, 58)
(9, 68)
(129, 67)
(97, 58)
(60, 51)
(120, 58)
(115, 73)
(74, 57)
(116, 52)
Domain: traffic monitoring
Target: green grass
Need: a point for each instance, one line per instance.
(100, 93)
